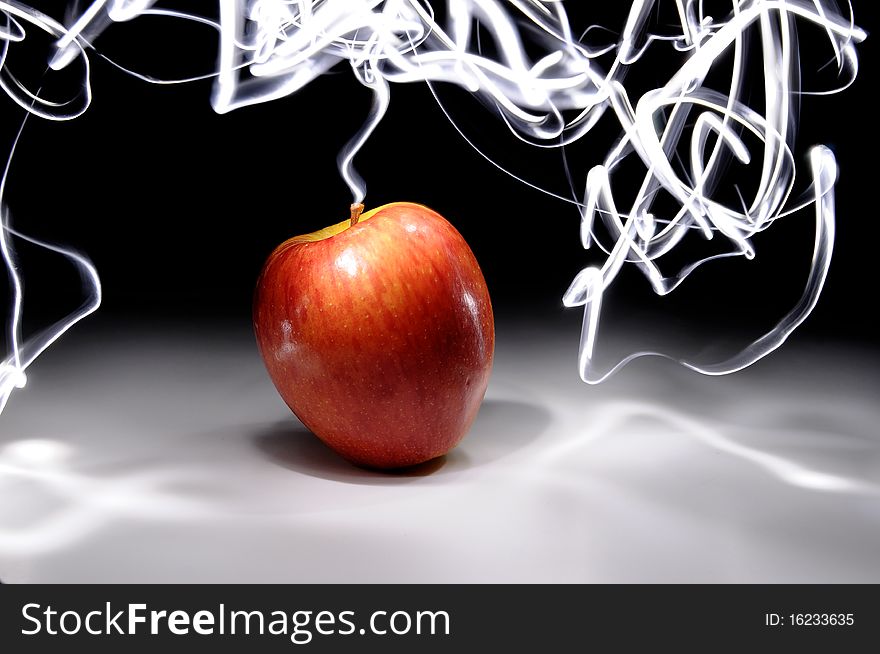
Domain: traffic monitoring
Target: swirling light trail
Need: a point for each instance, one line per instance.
(270, 49)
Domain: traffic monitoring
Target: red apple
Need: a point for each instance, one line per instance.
(378, 333)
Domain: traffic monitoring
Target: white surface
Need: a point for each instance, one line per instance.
(169, 457)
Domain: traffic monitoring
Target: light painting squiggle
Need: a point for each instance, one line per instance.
(682, 133)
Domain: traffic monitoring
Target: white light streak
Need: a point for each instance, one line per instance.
(681, 133)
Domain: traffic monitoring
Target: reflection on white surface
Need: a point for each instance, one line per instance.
(616, 417)
(171, 458)
(35, 454)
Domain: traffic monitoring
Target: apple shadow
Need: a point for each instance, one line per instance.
(501, 428)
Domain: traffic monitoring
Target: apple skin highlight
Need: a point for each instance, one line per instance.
(379, 335)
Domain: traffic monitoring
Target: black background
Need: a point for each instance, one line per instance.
(178, 206)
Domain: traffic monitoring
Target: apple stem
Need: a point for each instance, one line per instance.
(356, 210)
